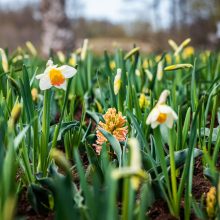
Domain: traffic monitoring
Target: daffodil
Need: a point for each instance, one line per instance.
(178, 66)
(84, 49)
(160, 70)
(145, 64)
(31, 48)
(182, 45)
(188, 51)
(162, 113)
(158, 58)
(112, 65)
(149, 74)
(34, 94)
(211, 202)
(179, 48)
(168, 58)
(137, 72)
(117, 81)
(173, 44)
(55, 76)
(143, 101)
(61, 56)
(73, 59)
(4, 60)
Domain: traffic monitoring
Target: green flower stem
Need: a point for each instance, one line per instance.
(57, 128)
(45, 132)
(173, 173)
(120, 100)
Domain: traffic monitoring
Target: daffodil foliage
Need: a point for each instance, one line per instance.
(86, 136)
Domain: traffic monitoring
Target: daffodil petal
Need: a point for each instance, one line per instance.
(153, 116)
(67, 71)
(154, 124)
(45, 83)
(164, 109)
(169, 121)
(174, 115)
(39, 76)
(62, 86)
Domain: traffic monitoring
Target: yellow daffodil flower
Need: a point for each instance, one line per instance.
(178, 66)
(73, 59)
(188, 51)
(143, 101)
(112, 65)
(211, 202)
(182, 45)
(34, 94)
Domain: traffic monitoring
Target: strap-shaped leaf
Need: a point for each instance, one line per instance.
(114, 143)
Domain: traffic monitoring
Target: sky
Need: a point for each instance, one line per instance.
(117, 11)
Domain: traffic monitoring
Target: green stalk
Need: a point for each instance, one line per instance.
(125, 203)
(212, 123)
(57, 128)
(45, 132)
(173, 174)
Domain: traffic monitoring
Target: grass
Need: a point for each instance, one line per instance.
(77, 158)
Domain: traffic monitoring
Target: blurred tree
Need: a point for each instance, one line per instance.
(57, 33)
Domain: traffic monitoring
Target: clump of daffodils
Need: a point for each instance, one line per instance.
(211, 202)
(162, 113)
(55, 76)
(115, 123)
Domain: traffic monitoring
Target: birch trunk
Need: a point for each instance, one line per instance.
(57, 33)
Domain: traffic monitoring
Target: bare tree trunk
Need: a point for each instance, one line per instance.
(57, 33)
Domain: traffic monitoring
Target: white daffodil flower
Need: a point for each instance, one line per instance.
(55, 76)
(160, 71)
(4, 60)
(117, 81)
(162, 113)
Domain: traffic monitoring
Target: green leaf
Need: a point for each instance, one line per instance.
(114, 143)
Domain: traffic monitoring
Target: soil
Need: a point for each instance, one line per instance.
(159, 210)
(201, 185)
(24, 209)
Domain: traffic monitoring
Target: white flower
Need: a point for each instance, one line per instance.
(117, 81)
(4, 60)
(160, 70)
(55, 76)
(162, 113)
(31, 48)
(84, 49)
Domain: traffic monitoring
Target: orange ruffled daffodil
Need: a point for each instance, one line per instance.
(55, 76)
